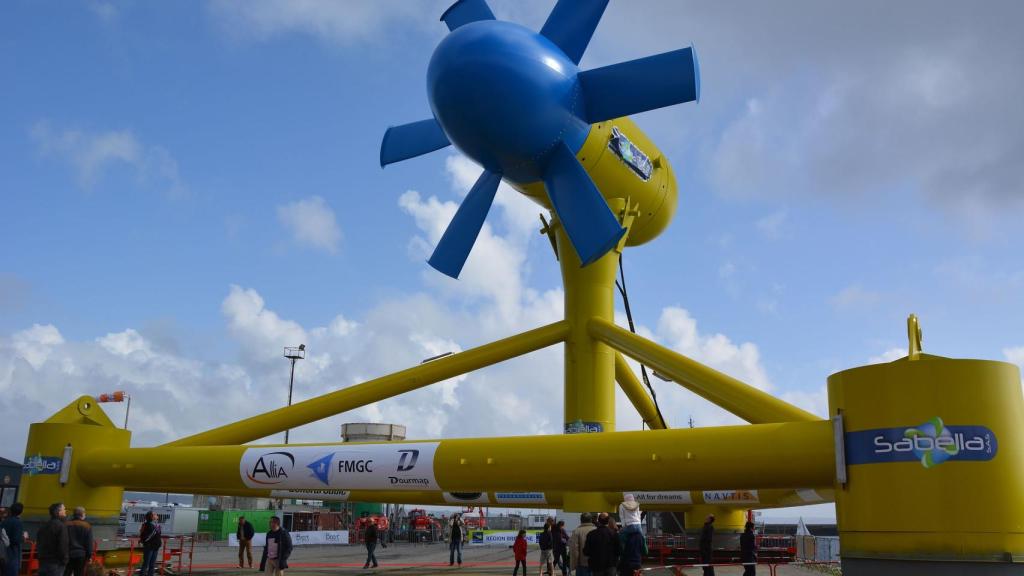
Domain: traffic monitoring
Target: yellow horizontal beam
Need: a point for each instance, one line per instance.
(749, 403)
(785, 455)
(643, 403)
(378, 389)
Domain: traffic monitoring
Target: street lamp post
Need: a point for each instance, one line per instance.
(293, 354)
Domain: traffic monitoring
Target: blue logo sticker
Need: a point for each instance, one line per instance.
(321, 468)
(931, 444)
(40, 464)
(581, 427)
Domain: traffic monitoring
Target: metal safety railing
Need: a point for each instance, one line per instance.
(174, 558)
(773, 566)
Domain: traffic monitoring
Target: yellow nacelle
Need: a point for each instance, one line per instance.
(654, 198)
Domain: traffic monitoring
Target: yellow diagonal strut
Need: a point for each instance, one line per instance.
(743, 400)
(637, 395)
(353, 397)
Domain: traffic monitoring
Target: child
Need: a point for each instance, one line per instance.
(519, 549)
(629, 514)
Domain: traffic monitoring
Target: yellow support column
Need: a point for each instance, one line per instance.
(589, 364)
(934, 449)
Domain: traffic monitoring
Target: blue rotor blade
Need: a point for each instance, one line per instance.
(451, 252)
(411, 140)
(588, 221)
(640, 85)
(465, 11)
(571, 24)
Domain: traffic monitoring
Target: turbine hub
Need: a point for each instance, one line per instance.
(505, 96)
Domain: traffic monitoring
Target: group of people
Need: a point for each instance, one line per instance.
(748, 547)
(63, 547)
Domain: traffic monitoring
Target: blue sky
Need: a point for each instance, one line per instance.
(188, 187)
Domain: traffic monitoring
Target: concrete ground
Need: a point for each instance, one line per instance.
(410, 559)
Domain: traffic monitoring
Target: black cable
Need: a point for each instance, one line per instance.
(629, 317)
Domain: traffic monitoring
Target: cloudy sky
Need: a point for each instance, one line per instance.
(189, 187)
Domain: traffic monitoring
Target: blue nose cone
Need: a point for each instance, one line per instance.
(506, 96)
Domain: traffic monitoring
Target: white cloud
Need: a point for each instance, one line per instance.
(888, 356)
(311, 222)
(341, 23)
(854, 297)
(35, 344)
(1015, 355)
(92, 154)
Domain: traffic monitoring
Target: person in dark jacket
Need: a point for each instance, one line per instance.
(52, 543)
(150, 540)
(79, 543)
(560, 541)
(277, 549)
(748, 550)
(602, 548)
(16, 533)
(370, 537)
(633, 550)
(456, 538)
(707, 534)
(546, 548)
(245, 534)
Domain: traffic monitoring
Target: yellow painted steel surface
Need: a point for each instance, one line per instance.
(743, 400)
(782, 455)
(84, 426)
(378, 389)
(637, 395)
(726, 519)
(589, 364)
(655, 197)
(958, 509)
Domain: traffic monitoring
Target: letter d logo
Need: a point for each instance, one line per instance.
(408, 460)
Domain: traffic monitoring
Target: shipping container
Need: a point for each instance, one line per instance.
(219, 523)
(173, 520)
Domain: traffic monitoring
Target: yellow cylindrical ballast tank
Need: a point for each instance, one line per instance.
(934, 452)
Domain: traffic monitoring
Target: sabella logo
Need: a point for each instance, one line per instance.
(931, 444)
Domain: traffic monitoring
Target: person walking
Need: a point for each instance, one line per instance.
(748, 550)
(16, 535)
(52, 543)
(577, 560)
(707, 534)
(602, 548)
(79, 543)
(456, 537)
(150, 539)
(546, 549)
(370, 535)
(245, 534)
(277, 549)
(519, 551)
(560, 542)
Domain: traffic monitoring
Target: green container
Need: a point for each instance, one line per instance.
(370, 508)
(220, 523)
(211, 522)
